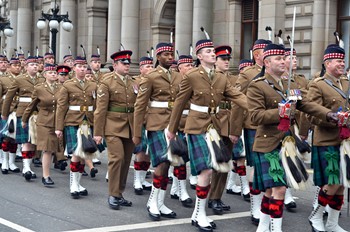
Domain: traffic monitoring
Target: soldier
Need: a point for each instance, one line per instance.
(49, 58)
(68, 60)
(95, 65)
(142, 160)
(178, 188)
(40, 64)
(243, 121)
(3, 65)
(265, 101)
(63, 73)
(45, 99)
(114, 121)
(157, 91)
(204, 89)
(23, 87)
(75, 106)
(328, 91)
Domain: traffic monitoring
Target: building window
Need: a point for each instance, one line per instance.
(249, 28)
(343, 25)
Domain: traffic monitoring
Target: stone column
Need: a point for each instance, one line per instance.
(12, 41)
(234, 31)
(183, 31)
(66, 38)
(202, 17)
(114, 27)
(271, 13)
(97, 19)
(318, 35)
(130, 26)
(24, 25)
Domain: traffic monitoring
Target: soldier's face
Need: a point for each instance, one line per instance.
(207, 56)
(183, 68)
(69, 63)
(3, 66)
(15, 68)
(166, 59)
(51, 76)
(121, 68)
(259, 56)
(62, 78)
(80, 70)
(89, 77)
(275, 65)
(335, 67)
(49, 60)
(95, 65)
(295, 62)
(222, 64)
(32, 68)
(146, 68)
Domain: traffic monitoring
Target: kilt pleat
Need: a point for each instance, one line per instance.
(199, 153)
(142, 147)
(249, 136)
(22, 134)
(157, 147)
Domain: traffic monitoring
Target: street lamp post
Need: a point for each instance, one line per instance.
(5, 26)
(54, 22)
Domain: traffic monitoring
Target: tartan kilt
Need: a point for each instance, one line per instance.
(262, 180)
(22, 134)
(237, 150)
(70, 137)
(157, 147)
(249, 136)
(182, 136)
(142, 147)
(2, 124)
(198, 151)
(320, 164)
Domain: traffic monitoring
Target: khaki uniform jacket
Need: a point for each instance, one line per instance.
(240, 117)
(72, 94)
(98, 77)
(114, 93)
(197, 89)
(44, 99)
(263, 102)
(326, 133)
(156, 86)
(5, 83)
(24, 86)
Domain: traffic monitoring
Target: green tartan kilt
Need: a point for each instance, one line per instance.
(142, 147)
(157, 147)
(324, 160)
(249, 136)
(262, 179)
(237, 150)
(22, 134)
(70, 136)
(198, 151)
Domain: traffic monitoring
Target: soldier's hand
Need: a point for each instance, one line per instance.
(98, 139)
(170, 135)
(332, 117)
(4, 118)
(136, 140)
(24, 125)
(234, 139)
(58, 133)
(303, 137)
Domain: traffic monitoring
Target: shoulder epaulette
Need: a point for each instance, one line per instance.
(192, 70)
(343, 77)
(318, 79)
(259, 79)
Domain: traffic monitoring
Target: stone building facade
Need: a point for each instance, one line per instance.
(141, 24)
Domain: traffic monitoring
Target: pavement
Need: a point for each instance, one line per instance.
(29, 206)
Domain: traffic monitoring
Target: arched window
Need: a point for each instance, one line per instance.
(343, 26)
(249, 29)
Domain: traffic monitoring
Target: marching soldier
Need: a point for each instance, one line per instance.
(178, 187)
(266, 107)
(243, 121)
(330, 92)
(23, 87)
(75, 107)
(44, 98)
(142, 160)
(157, 91)
(204, 89)
(114, 121)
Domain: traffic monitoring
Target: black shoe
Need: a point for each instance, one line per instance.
(33, 175)
(84, 173)
(229, 191)
(61, 165)
(4, 171)
(138, 191)
(16, 170)
(224, 206)
(18, 158)
(153, 216)
(97, 162)
(147, 188)
(93, 172)
(75, 195)
(187, 202)
(246, 197)
(169, 215)
(83, 193)
(290, 206)
(174, 196)
(148, 174)
(113, 203)
(255, 221)
(37, 162)
(123, 202)
(216, 206)
(28, 175)
(195, 223)
(47, 181)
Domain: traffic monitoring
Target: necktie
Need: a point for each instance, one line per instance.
(340, 86)
(33, 79)
(52, 87)
(280, 84)
(81, 83)
(169, 75)
(211, 75)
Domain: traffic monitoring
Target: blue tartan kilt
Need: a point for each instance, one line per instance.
(2, 125)
(262, 180)
(70, 136)
(22, 134)
(198, 150)
(249, 136)
(321, 165)
(142, 147)
(237, 150)
(157, 147)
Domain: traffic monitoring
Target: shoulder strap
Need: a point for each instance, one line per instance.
(277, 90)
(336, 88)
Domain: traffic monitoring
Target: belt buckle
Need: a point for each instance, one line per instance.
(212, 110)
(83, 108)
(170, 104)
(128, 109)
